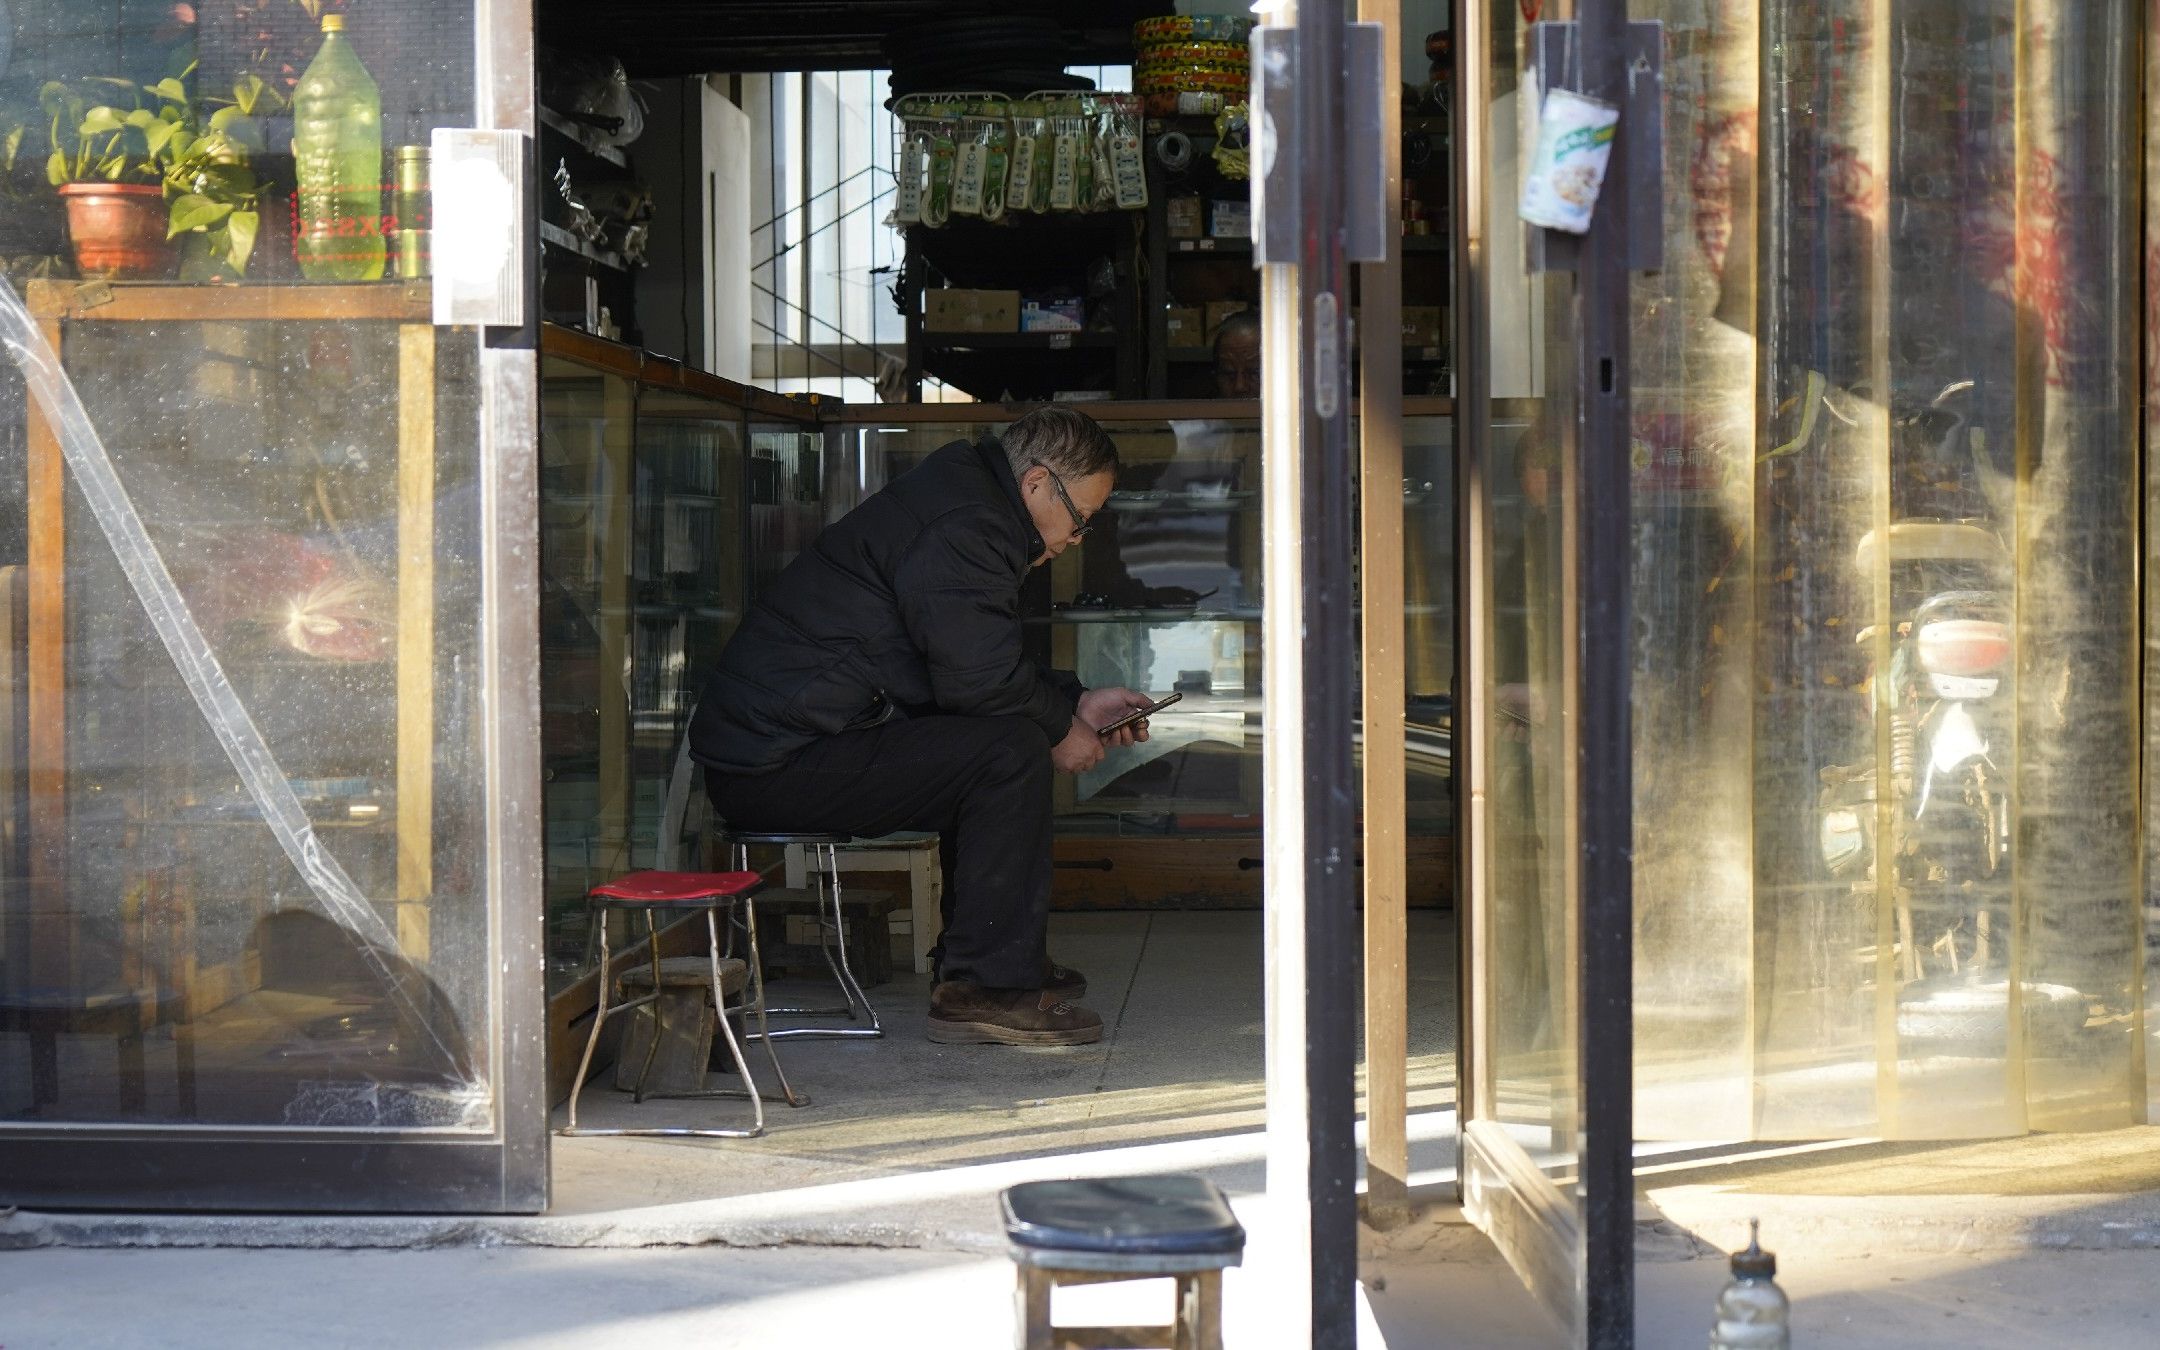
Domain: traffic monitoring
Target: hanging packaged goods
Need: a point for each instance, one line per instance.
(993, 158)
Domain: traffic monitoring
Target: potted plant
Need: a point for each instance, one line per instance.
(108, 163)
(136, 176)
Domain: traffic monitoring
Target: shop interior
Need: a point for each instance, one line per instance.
(785, 250)
(878, 323)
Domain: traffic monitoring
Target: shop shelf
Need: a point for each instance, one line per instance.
(584, 137)
(562, 238)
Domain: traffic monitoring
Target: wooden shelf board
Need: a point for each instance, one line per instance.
(562, 238)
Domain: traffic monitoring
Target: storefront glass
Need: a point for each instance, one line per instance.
(257, 870)
(1521, 1104)
(642, 576)
(1886, 500)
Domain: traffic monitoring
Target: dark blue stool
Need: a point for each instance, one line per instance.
(1111, 1229)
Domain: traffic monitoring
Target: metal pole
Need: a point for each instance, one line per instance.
(1604, 753)
(1327, 473)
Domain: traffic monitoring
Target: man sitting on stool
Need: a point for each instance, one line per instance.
(880, 686)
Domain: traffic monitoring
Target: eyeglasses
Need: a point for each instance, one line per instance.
(1080, 523)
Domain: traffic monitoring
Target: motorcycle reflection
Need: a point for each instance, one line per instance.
(1944, 711)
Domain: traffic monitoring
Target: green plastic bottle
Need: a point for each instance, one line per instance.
(337, 157)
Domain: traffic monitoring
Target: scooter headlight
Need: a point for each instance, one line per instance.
(1964, 648)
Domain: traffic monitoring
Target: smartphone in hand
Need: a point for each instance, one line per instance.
(1140, 714)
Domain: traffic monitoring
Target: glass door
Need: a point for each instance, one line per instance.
(1544, 743)
(269, 901)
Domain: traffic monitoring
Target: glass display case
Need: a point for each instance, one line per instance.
(250, 632)
(1163, 595)
(644, 569)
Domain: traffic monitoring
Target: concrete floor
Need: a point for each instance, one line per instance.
(1180, 1063)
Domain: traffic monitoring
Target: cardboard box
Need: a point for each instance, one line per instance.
(951, 310)
(1230, 220)
(1184, 326)
(1184, 215)
(1218, 310)
(1051, 316)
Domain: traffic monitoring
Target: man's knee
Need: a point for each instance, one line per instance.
(1019, 748)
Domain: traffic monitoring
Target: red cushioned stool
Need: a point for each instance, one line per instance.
(679, 892)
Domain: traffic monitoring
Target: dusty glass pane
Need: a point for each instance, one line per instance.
(1429, 641)
(1885, 493)
(1693, 501)
(585, 428)
(1525, 1112)
(2151, 1029)
(641, 573)
(247, 879)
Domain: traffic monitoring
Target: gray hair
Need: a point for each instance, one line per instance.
(1069, 441)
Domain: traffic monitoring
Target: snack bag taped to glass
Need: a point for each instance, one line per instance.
(1567, 167)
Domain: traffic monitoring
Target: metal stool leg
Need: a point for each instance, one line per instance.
(720, 1015)
(857, 1000)
(592, 1038)
(829, 938)
(757, 982)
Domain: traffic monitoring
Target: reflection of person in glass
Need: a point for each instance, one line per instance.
(880, 685)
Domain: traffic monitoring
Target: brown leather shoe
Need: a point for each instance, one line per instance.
(962, 1013)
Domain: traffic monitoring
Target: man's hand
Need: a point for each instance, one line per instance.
(1101, 707)
(1081, 750)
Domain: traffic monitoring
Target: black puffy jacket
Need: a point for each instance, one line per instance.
(908, 605)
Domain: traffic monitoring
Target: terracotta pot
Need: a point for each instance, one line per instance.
(118, 230)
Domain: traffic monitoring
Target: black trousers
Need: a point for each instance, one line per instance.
(983, 783)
